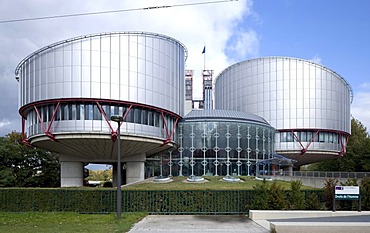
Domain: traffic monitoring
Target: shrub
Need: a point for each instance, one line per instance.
(108, 184)
(312, 202)
(329, 191)
(260, 201)
(277, 199)
(296, 196)
(365, 193)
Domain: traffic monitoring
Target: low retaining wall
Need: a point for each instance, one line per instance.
(269, 219)
(306, 181)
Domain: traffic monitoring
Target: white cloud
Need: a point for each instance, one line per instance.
(316, 59)
(213, 24)
(245, 44)
(4, 123)
(364, 87)
(360, 108)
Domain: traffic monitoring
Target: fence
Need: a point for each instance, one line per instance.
(321, 174)
(152, 202)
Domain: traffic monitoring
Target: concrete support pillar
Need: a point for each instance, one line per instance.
(135, 168)
(71, 174)
(134, 172)
(290, 170)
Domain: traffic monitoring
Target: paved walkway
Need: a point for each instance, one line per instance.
(197, 223)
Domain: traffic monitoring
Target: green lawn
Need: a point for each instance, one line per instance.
(38, 222)
(214, 183)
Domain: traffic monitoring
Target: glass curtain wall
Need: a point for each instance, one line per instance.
(218, 148)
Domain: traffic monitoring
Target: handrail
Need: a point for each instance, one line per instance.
(326, 174)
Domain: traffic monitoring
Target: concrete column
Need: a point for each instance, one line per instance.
(135, 168)
(134, 172)
(290, 170)
(71, 174)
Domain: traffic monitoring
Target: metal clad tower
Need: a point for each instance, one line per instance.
(188, 91)
(69, 90)
(207, 89)
(307, 103)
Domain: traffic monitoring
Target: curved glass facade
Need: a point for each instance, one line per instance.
(77, 117)
(212, 144)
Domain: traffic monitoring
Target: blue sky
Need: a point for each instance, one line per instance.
(334, 33)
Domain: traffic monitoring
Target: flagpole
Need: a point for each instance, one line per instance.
(204, 57)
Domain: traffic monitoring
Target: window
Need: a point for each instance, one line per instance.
(331, 137)
(137, 115)
(78, 112)
(70, 111)
(156, 119)
(302, 136)
(144, 117)
(82, 111)
(96, 112)
(51, 111)
(286, 137)
(130, 116)
(106, 109)
(64, 111)
(321, 137)
(44, 113)
(88, 112)
(151, 118)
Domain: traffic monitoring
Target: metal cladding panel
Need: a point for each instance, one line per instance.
(133, 66)
(289, 93)
(225, 115)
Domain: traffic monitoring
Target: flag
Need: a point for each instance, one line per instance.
(204, 50)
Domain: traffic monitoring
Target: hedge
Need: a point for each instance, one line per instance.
(158, 202)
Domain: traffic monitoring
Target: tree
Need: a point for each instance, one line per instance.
(100, 175)
(24, 166)
(357, 156)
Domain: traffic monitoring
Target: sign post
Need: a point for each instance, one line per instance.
(347, 193)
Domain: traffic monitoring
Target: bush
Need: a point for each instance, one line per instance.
(296, 196)
(99, 200)
(312, 202)
(108, 184)
(365, 193)
(262, 194)
(277, 198)
(329, 192)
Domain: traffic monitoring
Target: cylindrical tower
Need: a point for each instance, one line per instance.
(307, 103)
(70, 89)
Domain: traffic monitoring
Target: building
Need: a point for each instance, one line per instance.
(189, 105)
(69, 90)
(207, 76)
(307, 103)
(219, 143)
